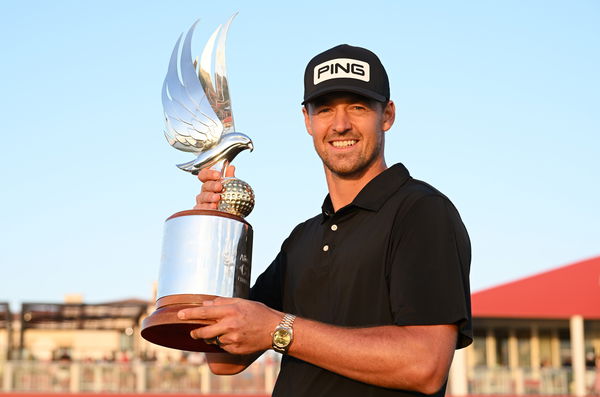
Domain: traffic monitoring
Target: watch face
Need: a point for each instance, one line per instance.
(281, 337)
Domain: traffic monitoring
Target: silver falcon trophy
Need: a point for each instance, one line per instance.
(206, 253)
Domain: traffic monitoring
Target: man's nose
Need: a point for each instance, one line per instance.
(341, 121)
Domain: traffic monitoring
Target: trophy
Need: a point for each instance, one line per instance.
(206, 253)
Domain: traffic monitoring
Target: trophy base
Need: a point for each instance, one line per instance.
(164, 328)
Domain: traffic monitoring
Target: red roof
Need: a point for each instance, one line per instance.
(556, 294)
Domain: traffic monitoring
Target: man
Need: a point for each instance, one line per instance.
(370, 297)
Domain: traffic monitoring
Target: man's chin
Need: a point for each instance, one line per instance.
(347, 171)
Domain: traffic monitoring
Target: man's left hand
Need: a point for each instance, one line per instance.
(243, 326)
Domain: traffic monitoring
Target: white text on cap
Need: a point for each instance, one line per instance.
(341, 68)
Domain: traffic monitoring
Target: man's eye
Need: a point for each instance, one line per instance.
(358, 107)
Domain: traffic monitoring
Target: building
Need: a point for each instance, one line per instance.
(536, 335)
(76, 347)
(5, 331)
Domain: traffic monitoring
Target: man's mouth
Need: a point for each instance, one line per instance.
(346, 143)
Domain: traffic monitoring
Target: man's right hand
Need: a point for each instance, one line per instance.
(210, 194)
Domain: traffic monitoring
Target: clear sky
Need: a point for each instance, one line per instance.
(498, 106)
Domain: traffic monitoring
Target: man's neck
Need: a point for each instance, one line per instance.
(343, 190)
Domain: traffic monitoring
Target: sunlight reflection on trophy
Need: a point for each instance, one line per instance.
(206, 253)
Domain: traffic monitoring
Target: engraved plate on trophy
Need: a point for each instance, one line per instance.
(206, 253)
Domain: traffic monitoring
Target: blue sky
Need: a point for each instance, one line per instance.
(497, 107)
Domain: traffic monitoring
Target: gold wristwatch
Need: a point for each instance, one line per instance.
(283, 335)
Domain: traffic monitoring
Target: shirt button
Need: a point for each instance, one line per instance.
(334, 227)
(326, 248)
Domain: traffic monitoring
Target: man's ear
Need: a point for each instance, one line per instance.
(389, 116)
(307, 119)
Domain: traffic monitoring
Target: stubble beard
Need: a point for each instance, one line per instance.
(347, 167)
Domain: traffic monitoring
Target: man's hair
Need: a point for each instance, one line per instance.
(372, 102)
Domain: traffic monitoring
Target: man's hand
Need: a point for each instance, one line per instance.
(399, 357)
(243, 326)
(209, 196)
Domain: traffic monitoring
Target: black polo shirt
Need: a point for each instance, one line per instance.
(398, 254)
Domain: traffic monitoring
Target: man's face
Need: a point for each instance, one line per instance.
(348, 132)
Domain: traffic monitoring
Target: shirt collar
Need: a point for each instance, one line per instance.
(376, 192)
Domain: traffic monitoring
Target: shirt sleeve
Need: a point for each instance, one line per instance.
(430, 257)
(268, 286)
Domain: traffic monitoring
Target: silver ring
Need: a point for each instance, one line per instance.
(218, 341)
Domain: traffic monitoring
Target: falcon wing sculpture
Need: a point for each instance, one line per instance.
(198, 116)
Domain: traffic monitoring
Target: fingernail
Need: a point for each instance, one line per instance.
(208, 303)
(181, 315)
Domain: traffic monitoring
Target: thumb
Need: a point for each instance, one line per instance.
(230, 171)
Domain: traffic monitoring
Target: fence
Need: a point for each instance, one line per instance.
(259, 378)
(133, 377)
(525, 381)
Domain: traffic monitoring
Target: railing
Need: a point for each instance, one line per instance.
(259, 378)
(133, 377)
(525, 381)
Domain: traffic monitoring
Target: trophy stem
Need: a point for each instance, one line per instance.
(221, 166)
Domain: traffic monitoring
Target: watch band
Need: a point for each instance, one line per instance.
(283, 336)
(287, 320)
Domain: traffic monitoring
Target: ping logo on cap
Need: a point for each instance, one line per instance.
(341, 68)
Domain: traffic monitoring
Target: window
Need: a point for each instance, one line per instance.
(545, 337)
(501, 347)
(565, 347)
(479, 348)
(524, 347)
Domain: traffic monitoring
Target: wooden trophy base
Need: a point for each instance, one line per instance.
(164, 328)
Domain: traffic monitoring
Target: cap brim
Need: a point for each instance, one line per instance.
(341, 88)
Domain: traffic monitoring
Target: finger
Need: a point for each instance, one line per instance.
(212, 187)
(209, 333)
(230, 171)
(214, 313)
(206, 206)
(207, 174)
(217, 340)
(208, 197)
(207, 201)
(219, 300)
